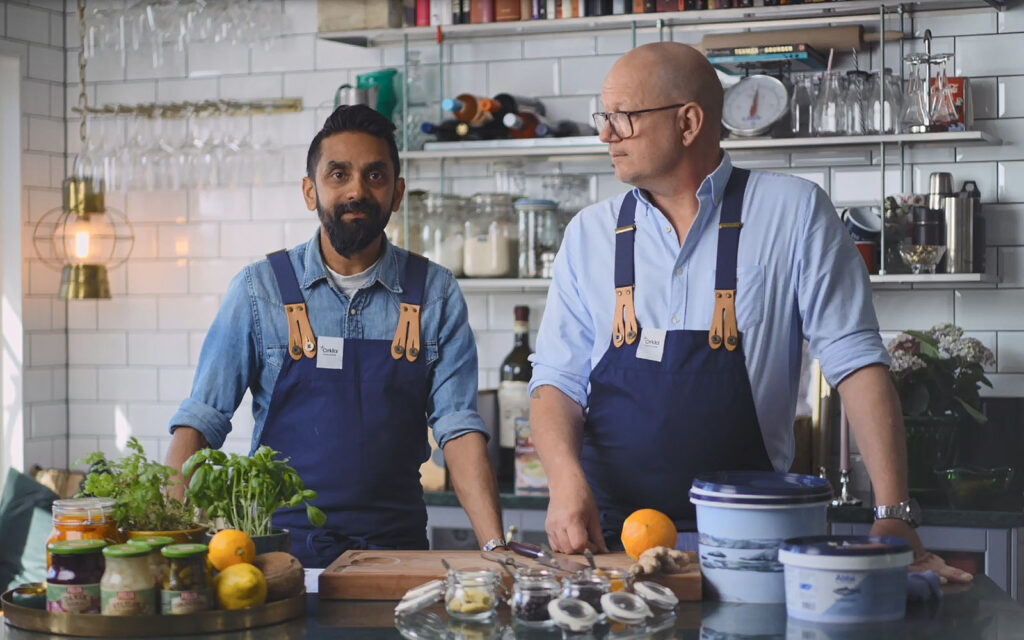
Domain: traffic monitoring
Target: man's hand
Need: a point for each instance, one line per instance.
(573, 523)
(924, 560)
(184, 443)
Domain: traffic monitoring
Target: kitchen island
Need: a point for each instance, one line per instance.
(979, 611)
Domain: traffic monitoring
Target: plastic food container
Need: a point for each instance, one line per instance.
(742, 519)
(846, 579)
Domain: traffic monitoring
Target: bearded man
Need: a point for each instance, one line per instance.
(351, 348)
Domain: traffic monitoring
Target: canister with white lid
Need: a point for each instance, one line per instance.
(846, 579)
(658, 597)
(573, 614)
(625, 607)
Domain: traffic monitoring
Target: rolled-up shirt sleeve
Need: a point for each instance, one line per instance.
(834, 297)
(565, 340)
(451, 406)
(227, 362)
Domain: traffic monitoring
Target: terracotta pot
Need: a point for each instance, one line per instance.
(180, 536)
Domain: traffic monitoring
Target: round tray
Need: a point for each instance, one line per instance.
(100, 626)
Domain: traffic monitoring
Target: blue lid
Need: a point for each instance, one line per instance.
(451, 104)
(759, 487)
(845, 546)
(535, 202)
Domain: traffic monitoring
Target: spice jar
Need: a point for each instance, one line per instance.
(442, 236)
(472, 594)
(659, 597)
(128, 587)
(587, 586)
(539, 234)
(531, 593)
(185, 588)
(83, 519)
(573, 615)
(156, 560)
(73, 579)
(618, 579)
(396, 227)
(492, 237)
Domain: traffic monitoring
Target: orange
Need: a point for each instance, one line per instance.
(231, 546)
(646, 529)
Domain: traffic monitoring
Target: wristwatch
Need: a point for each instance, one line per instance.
(494, 544)
(908, 511)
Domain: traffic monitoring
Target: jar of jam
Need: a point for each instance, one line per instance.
(73, 579)
(83, 519)
(185, 588)
(156, 559)
(587, 586)
(128, 587)
(531, 593)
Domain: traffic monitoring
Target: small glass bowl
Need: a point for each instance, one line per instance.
(921, 258)
(975, 488)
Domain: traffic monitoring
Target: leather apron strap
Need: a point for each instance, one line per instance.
(407, 335)
(625, 329)
(723, 324)
(301, 339)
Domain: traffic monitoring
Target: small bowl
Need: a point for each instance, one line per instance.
(975, 488)
(921, 258)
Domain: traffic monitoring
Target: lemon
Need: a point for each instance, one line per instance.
(240, 586)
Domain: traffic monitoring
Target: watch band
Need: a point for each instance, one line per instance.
(494, 544)
(907, 511)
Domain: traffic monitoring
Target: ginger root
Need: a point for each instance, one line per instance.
(659, 560)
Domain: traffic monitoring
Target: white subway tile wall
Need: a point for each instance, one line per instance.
(132, 358)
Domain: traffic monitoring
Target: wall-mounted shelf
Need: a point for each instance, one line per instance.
(540, 285)
(807, 15)
(585, 146)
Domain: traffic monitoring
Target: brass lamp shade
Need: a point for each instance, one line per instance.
(84, 282)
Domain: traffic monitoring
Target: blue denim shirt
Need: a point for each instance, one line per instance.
(248, 341)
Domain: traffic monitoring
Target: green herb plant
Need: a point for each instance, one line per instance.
(139, 486)
(246, 491)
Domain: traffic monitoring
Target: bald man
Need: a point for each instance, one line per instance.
(671, 340)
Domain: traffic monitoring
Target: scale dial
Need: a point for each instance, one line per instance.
(754, 105)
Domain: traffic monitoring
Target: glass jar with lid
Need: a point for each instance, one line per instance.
(472, 594)
(128, 587)
(185, 588)
(492, 237)
(442, 236)
(74, 576)
(587, 586)
(531, 593)
(156, 559)
(395, 231)
(83, 519)
(570, 191)
(539, 236)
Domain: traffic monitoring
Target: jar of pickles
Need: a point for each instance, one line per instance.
(531, 593)
(74, 576)
(83, 519)
(492, 237)
(156, 559)
(587, 586)
(128, 587)
(472, 594)
(186, 586)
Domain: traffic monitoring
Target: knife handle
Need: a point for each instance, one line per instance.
(526, 549)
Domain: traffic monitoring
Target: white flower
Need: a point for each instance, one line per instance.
(904, 362)
(972, 350)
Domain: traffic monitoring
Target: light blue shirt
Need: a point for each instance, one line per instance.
(248, 341)
(799, 276)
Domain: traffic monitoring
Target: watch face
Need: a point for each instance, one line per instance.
(754, 104)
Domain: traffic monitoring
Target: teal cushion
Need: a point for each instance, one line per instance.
(26, 526)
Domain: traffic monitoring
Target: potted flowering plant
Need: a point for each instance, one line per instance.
(938, 374)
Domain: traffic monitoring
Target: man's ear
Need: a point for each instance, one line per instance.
(309, 193)
(691, 122)
(396, 200)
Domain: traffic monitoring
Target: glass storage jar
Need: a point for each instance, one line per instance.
(442, 235)
(539, 236)
(395, 230)
(156, 560)
(128, 587)
(587, 586)
(83, 519)
(531, 593)
(185, 588)
(618, 579)
(472, 594)
(492, 237)
(74, 576)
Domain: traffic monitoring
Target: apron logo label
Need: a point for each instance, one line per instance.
(331, 353)
(652, 344)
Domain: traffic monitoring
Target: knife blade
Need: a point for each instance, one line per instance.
(501, 558)
(546, 557)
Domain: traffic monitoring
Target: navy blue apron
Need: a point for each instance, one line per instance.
(652, 426)
(356, 435)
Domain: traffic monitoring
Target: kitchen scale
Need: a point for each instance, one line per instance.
(757, 105)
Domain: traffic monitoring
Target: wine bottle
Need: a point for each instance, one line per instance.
(466, 108)
(513, 395)
(565, 129)
(489, 131)
(446, 131)
(525, 125)
(504, 103)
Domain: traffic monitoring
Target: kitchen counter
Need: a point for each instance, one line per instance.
(979, 611)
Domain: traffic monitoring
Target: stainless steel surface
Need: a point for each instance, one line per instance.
(940, 185)
(959, 234)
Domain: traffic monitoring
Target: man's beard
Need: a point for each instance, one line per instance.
(352, 236)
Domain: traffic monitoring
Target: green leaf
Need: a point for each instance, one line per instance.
(915, 400)
(316, 517)
(978, 416)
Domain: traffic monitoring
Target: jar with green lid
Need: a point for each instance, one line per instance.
(74, 577)
(156, 559)
(128, 587)
(186, 586)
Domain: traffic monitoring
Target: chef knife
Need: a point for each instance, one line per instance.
(503, 559)
(546, 557)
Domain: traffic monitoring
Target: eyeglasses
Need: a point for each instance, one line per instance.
(622, 121)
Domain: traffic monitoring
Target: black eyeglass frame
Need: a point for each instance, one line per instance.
(602, 117)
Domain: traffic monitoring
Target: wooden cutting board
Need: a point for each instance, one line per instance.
(387, 575)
